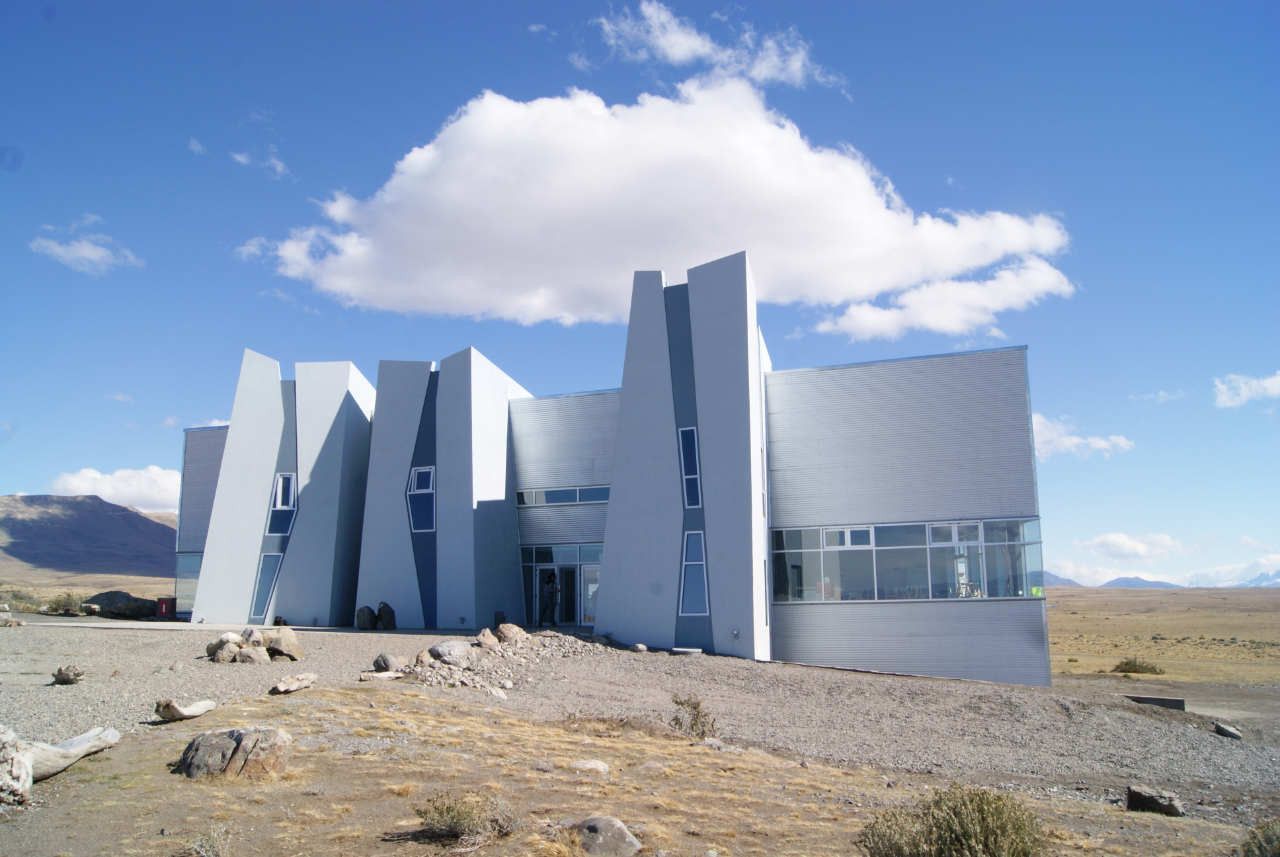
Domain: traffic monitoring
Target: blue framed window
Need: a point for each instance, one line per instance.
(563, 496)
(690, 468)
(268, 571)
(284, 504)
(421, 499)
(693, 576)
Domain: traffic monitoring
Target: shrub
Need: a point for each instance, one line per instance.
(450, 817)
(1263, 840)
(64, 603)
(1137, 665)
(958, 822)
(691, 718)
(212, 844)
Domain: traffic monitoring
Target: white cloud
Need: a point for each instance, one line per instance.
(1232, 391)
(1232, 573)
(1159, 397)
(254, 248)
(541, 210)
(1124, 546)
(1054, 437)
(271, 162)
(151, 489)
(542, 30)
(170, 422)
(195, 147)
(578, 60)
(1251, 542)
(242, 158)
(123, 398)
(656, 34)
(93, 253)
(214, 423)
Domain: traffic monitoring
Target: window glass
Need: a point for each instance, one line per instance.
(811, 539)
(591, 553)
(689, 451)
(693, 547)
(541, 555)
(997, 532)
(791, 540)
(693, 596)
(834, 538)
(860, 537)
(527, 573)
(966, 532)
(284, 491)
(522, 498)
(598, 494)
(526, 554)
(1006, 571)
(940, 534)
(564, 553)
(956, 572)
(590, 583)
(900, 535)
(423, 479)
(902, 573)
(848, 576)
(561, 495)
(692, 493)
(422, 512)
(779, 542)
(268, 568)
(1031, 531)
(801, 574)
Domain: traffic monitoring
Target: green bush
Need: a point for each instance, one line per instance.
(65, 603)
(958, 822)
(1136, 665)
(691, 718)
(449, 817)
(1263, 840)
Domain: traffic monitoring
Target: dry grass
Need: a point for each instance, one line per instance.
(1195, 635)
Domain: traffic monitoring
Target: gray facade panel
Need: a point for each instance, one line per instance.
(557, 525)
(201, 460)
(930, 438)
(991, 640)
(564, 441)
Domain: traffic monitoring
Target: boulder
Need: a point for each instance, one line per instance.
(486, 639)
(260, 753)
(366, 619)
(606, 836)
(252, 655)
(455, 653)
(1147, 799)
(386, 617)
(293, 683)
(116, 604)
(282, 641)
(423, 659)
(15, 771)
(170, 711)
(252, 637)
(225, 653)
(591, 766)
(1227, 731)
(639, 647)
(385, 663)
(228, 637)
(70, 674)
(508, 633)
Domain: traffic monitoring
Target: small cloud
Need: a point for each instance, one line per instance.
(271, 162)
(170, 422)
(242, 158)
(1054, 437)
(1124, 546)
(254, 248)
(215, 423)
(195, 147)
(89, 253)
(123, 398)
(1232, 391)
(579, 60)
(951, 182)
(150, 489)
(1251, 542)
(542, 30)
(1159, 397)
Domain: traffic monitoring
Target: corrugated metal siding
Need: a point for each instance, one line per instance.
(992, 640)
(564, 440)
(552, 525)
(930, 438)
(201, 460)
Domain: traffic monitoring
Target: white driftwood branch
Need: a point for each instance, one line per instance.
(372, 675)
(49, 759)
(170, 710)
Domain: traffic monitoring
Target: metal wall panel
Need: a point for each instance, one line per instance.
(992, 640)
(928, 438)
(201, 459)
(564, 441)
(555, 525)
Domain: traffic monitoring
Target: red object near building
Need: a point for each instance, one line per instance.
(166, 608)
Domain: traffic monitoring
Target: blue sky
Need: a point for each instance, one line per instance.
(331, 181)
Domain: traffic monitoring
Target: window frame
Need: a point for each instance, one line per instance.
(277, 506)
(255, 618)
(684, 566)
(527, 498)
(412, 489)
(685, 475)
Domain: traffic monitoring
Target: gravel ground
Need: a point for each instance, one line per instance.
(1074, 742)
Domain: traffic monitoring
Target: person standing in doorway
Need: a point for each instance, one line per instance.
(548, 597)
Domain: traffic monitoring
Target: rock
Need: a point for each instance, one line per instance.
(252, 637)
(170, 711)
(11, 623)
(252, 655)
(373, 674)
(15, 771)
(366, 619)
(681, 650)
(712, 744)
(386, 617)
(423, 659)
(253, 754)
(606, 836)
(293, 683)
(228, 637)
(69, 674)
(1147, 799)
(1227, 731)
(225, 653)
(507, 684)
(639, 647)
(282, 641)
(116, 604)
(508, 633)
(456, 653)
(497, 692)
(591, 766)
(385, 663)
(486, 639)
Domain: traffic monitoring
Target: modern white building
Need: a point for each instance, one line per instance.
(877, 516)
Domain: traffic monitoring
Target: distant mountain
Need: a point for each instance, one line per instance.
(1139, 583)
(1263, 579)
(82, 535)
(1051, 579)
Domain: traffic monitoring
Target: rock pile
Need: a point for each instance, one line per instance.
(253, 646)
(382, 619)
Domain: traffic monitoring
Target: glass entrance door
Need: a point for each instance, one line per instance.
(590, 582)
(555, 595)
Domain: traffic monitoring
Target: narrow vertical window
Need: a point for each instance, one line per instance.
(689, 468)
(421, 496)
(264, 586)
(693, 576)
(284, 504)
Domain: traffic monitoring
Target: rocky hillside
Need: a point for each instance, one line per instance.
(84, 535)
